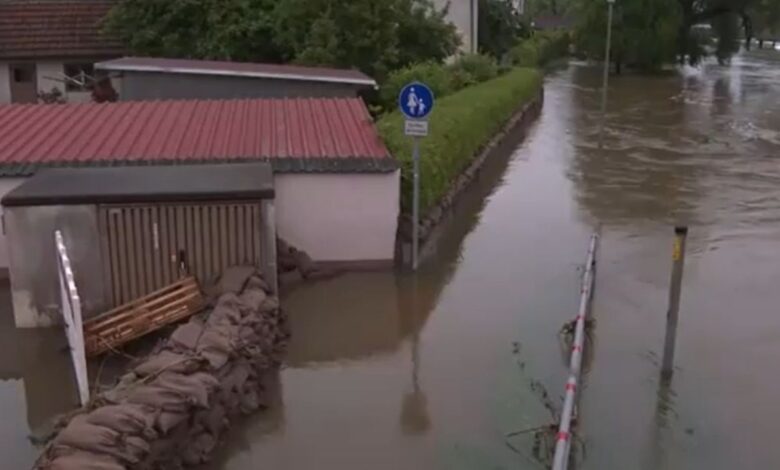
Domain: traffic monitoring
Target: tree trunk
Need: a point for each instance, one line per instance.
(618, 66)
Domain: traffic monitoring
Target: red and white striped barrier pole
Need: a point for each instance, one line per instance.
(563, 439)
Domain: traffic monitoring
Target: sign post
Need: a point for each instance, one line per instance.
(416, 102)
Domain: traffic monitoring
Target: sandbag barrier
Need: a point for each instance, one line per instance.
(170, 410)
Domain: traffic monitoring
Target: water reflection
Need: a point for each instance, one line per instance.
(35, 384)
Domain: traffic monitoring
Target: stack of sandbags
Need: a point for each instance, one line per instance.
(296, 265)
(171, 409)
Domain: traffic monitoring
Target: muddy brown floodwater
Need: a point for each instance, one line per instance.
(392, 371)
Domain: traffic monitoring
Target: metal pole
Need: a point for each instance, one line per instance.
(563, 439)
(678, 261)
(416, 204)
(605, 83)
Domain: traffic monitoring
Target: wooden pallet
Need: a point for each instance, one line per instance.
(144, 315)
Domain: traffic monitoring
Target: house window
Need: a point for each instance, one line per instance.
(80, 76)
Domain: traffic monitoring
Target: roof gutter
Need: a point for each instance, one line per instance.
(232, 73)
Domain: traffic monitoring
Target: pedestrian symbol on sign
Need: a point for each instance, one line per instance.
(416, 100)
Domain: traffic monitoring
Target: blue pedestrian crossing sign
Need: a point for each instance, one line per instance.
(416, 100)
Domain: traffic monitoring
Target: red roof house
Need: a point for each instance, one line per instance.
(44, 41)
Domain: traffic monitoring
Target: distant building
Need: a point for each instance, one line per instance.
(464, 14)
(147, 78)
(47, 48)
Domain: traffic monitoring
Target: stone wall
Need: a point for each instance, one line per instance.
(171, 409)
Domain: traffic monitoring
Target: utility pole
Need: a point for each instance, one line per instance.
(605, 84)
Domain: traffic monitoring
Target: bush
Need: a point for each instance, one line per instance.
(540, 49)
(478, 67)
(467, 70)
(460, 125)
(434, 75)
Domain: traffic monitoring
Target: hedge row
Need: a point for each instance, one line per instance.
(541, 48)
(461, 124)
(467, 70)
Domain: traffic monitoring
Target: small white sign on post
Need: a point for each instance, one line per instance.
(416, 128)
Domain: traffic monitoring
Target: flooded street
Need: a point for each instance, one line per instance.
(394, 371)
(389, 372)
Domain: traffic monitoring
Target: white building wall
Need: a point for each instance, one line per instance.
(46, 73)
(349, 218)
(5, 83)
(463, 14)
(6, 185)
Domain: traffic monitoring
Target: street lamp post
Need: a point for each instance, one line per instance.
(605, 84)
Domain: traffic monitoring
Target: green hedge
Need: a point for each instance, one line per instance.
(466, 70)
(541, 48)
(460, 125)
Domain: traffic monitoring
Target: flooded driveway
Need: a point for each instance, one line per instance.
(393, 371)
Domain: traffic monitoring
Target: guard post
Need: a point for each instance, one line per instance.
(672, 315)
(416, 102)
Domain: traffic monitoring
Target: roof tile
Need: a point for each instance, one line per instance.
(69, 28)
(302, 134)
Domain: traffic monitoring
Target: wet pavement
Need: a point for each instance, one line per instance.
(393, 371)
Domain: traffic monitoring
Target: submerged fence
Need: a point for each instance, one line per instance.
(564, 437)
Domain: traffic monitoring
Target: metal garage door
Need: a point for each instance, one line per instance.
(149, 246)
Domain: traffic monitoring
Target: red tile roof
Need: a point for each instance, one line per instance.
(65, 28)
(241, 69)
(295, 135)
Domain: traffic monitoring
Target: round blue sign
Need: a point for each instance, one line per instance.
(416, 100)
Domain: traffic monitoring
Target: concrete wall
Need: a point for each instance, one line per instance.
(339, 217)
(50, 69)
(34, 280)
(463, 14)
(5, 83)
(6, 185)
(155, 86)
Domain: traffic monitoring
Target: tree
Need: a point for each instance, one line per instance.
(206, 29)
(373, 36)
(500, 27)
(644, 32)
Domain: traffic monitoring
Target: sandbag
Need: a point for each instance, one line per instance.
(165, 361)
(125, 418)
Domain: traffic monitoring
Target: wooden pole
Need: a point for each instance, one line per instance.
(672, 315)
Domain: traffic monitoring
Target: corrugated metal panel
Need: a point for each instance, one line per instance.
(236, 69)
(150, 246)
(316, 131)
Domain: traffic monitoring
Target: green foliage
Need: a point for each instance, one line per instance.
(209, 29)
(474, 68)
(435, 75)
(375, 37)
(467, 70)
(500, 26)
(644, 32)
(540, 49)
(460, 125)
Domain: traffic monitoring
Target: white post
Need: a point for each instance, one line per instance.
(563, 439)
(71, 313)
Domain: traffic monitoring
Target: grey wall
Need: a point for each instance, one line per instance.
(160, 86)
(33, 264)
